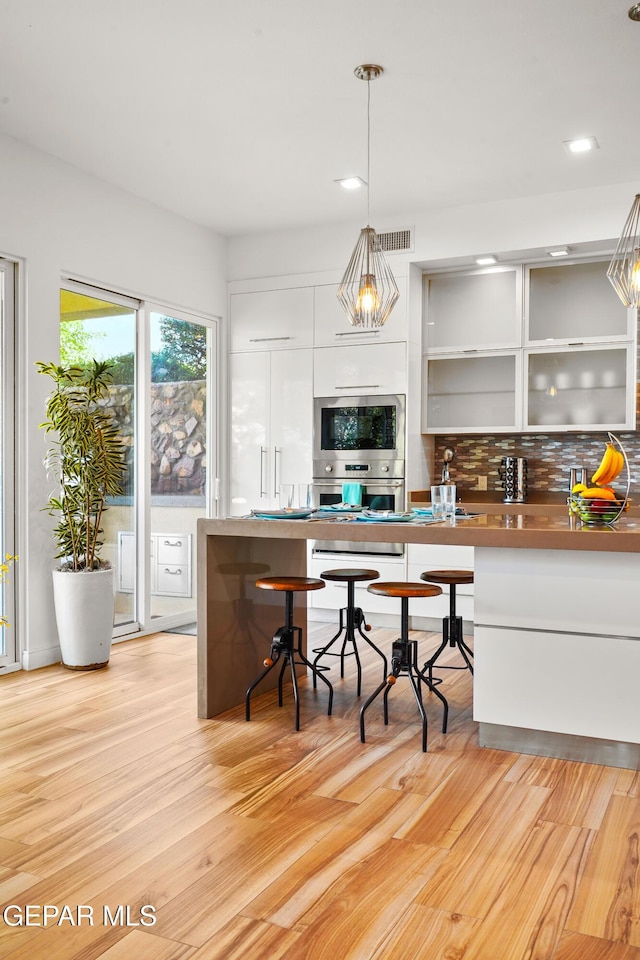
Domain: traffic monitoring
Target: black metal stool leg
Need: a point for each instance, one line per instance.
(351, 619)
(404, 662)
(452, 630)
(287, 644)
(259, 680)
(321, 651)
(316, 672)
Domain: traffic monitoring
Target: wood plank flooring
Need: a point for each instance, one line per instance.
(252, 841)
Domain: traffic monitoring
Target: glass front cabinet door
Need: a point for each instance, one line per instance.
(583, 387)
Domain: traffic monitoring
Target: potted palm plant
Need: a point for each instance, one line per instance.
(87, 461)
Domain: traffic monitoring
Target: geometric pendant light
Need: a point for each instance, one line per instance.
(624, 269)
(368, 291)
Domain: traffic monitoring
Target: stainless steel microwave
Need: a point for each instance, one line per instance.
(365, 433)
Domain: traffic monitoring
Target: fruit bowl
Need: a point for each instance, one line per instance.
(595, 509)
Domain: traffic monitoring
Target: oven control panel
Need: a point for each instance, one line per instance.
(376, 469)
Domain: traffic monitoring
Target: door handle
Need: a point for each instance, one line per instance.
(276, 454)
(263, 452)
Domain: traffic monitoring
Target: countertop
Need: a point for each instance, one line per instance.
(526, 531)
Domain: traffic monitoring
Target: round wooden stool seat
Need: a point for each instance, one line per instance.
(402, 589)
(292, 584)
(350, 575)
(448, 576)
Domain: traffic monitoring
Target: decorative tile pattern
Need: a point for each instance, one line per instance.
(549, 457)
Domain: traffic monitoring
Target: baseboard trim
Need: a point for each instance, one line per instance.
(34, 659)
(560, 746)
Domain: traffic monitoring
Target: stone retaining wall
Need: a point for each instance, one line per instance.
(178, 435)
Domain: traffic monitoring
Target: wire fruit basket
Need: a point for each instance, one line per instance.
(604, 509)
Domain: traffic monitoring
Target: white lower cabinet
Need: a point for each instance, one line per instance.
(432, 556)
(551, 654)
(170, 555)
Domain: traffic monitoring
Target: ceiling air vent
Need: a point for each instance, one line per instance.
(396, 241)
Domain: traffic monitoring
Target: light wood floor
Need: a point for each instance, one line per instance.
(255, 842)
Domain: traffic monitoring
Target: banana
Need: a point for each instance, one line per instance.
(616, 466)
(598, 493)
(610, 466)
(620, 466)
(604, 472)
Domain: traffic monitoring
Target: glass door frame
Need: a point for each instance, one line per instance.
(147, 624)
(9, 657)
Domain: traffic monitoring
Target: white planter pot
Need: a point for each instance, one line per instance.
(84, 605)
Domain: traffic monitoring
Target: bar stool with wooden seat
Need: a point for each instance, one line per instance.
(351, 619)
(451, 624)
(404, 655)
(287, 641)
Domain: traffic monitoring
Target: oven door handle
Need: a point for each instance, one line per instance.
(365, 481)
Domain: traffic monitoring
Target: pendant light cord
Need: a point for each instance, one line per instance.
(368, 148)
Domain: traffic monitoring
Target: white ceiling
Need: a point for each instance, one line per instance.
(239, 114)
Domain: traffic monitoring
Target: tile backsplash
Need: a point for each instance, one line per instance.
(549, 457)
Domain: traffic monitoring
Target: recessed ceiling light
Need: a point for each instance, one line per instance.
(485, 261)
(559, 252)
(351, 183)
(581, 144)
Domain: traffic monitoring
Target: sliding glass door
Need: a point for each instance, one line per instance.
(181, 456)
(161, 398)
(95, 325)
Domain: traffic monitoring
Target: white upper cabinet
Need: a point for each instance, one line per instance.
(272, 319)
(371, 369)
(331, 324)
(574, 303)
(587, 387)
(471, 394)
(475, 310)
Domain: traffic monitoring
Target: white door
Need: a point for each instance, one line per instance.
(250, 453)
(291, 416)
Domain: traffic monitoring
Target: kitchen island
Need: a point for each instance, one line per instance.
(556, 625)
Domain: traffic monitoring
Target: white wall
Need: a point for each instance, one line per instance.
(61, 221)
(578, 216)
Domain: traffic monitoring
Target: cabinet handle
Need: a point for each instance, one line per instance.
(263, 451)
(469, 351)
(267, 339)
(578, 343)
(173, 573)
(358, 333)
(175, 543)
(276, 454)
(359, 386)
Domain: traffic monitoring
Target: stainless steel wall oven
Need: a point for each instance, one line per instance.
(359, 440)
(352, 430)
